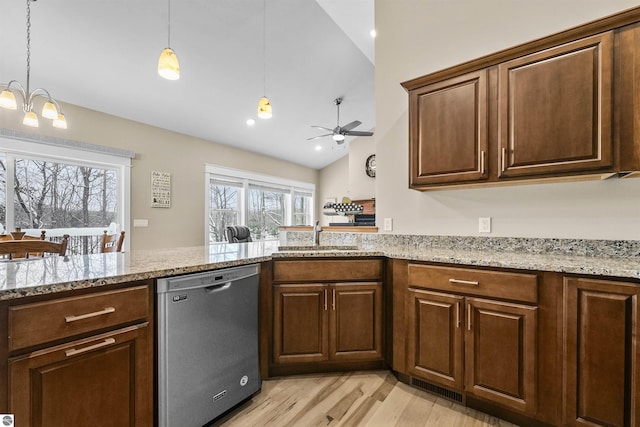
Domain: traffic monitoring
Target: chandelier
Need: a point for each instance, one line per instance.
(50, 110)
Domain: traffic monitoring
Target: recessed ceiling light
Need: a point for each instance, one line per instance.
(373, 33)
(251, 122)
(318, 147)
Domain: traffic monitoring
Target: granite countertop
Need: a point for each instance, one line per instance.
(55, 274)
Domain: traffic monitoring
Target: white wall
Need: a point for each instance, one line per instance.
(361, 186)
(333, 184)
(417, 37)
(161, 150)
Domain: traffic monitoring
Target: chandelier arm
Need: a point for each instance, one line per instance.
(20, 89)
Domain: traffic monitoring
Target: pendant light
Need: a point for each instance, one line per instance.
(168, 66)
(50, 110)
(264, 105)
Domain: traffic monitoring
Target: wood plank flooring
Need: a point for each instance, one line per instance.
(354, 399)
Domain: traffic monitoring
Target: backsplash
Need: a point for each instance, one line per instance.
(366, 241)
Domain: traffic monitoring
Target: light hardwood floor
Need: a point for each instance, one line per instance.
(374, 399)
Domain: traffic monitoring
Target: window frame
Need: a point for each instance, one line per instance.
(247, 179)
(42, 148)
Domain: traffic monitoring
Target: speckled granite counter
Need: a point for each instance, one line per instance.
(55, 274)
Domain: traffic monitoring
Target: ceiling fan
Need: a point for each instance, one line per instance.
(339, 132)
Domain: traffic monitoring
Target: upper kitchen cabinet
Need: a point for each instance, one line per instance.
(554, 109)
(563, 107)
(448, 131)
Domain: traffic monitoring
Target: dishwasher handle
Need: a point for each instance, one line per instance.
(217, 288)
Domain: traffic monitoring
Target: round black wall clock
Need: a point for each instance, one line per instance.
(370, 166)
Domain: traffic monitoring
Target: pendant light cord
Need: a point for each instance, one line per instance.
(264, 47)
(169, 23)
(28, 43)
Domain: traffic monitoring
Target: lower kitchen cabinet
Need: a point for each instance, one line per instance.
(473, 346)
(92, 382)
(300, 323)
(436, 339)
(602, 353)
(327, 322)
(325, 315)
(85, 359)
(500, 353)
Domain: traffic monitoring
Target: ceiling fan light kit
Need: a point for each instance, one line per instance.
(340, 132)
(50, 110)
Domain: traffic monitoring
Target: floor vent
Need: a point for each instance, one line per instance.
(440, 391)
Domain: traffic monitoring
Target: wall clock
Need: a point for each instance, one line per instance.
(370, 166)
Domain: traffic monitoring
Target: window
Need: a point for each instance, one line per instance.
(63, 190)
(263, 203)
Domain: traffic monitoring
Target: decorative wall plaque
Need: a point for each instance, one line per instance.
(160, 189)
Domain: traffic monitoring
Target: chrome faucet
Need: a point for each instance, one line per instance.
(316, 234)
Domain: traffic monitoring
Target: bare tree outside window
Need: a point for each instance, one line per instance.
(266, 213)
(224, 210)
(50, 195)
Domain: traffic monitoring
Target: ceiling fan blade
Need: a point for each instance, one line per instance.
(351, 125)
(358, 133)
(323, 128)
(319, 136)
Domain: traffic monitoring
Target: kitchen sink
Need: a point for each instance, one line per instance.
(318, 248)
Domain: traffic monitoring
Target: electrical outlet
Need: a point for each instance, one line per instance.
(388, 224)
(484, 225)
(140, 222)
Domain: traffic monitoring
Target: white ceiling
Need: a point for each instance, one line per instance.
(102, 54)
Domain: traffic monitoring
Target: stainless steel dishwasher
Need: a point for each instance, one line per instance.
(207, 344)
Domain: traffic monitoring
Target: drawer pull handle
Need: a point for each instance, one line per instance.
(457, 315)
(333, 300)
(73, 351)
(107, 310)
(469, 314)
(325, 300)
(464, 282)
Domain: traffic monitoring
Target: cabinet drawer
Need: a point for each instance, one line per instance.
(495, 284)
(327, 271)
(37, 323)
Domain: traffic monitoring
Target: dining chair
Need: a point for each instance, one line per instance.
(238, 234)
(111, 242)
(27, 247)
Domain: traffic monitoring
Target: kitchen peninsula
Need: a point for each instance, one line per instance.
(525, 291)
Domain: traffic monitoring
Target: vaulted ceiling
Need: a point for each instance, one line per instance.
(102, 54)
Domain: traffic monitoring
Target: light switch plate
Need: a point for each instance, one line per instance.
(484, 225)
(140, 222)
(388, 224)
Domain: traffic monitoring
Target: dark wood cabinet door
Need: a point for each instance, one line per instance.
(448, 131)
(300, 323)
(500, 353)
(435, 337)
(102, 381)
(355, 321)
(601, 353)
(555, 110)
